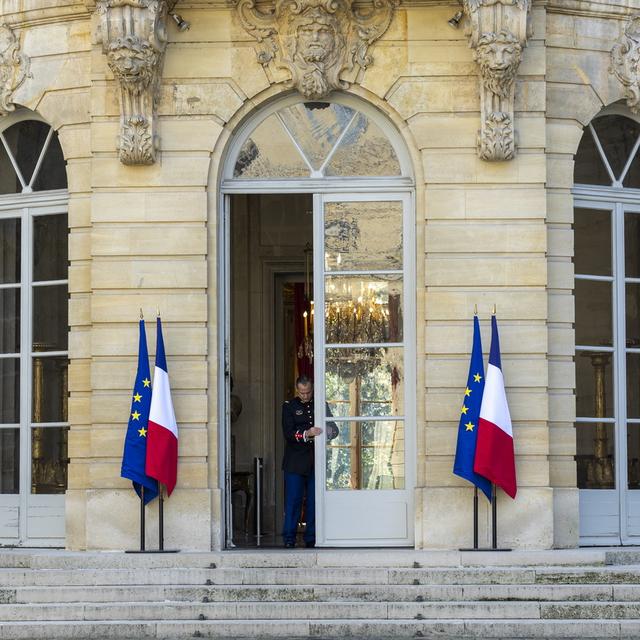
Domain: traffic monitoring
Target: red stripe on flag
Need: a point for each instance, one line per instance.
(162, 455)
(495, 459)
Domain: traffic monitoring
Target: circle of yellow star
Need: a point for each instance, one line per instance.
(142, 432)
(146, 382)
(467, 392)
(135, 415)
(469, 426)
(477, 377)
(464, 410)
(137, 397)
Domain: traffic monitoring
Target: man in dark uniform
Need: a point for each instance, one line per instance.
(299, 431)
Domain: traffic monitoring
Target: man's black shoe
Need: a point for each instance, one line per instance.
(289, 545)
(309, 545)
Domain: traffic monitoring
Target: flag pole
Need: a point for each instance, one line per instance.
(494, 518)
(161, 518)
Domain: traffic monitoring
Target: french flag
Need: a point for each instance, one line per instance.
(162, 434)
(495, 458)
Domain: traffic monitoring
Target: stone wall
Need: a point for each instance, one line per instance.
(487, 233)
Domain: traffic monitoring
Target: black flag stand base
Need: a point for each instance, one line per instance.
(160, 548)
(494, 523)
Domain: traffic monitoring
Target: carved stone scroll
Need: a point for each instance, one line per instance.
(498, 32)
(133, 36)
(14, 66)
(625, 62)
(316, 40)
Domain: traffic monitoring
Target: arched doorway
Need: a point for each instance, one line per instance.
(336, 174)
(607, 328)
(33, 333)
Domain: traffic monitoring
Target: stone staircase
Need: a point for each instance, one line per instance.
(321, 594)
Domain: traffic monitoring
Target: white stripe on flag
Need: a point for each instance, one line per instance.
(494, 406)
(161, 411)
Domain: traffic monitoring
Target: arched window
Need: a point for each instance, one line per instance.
(33, 332)
(607, 328)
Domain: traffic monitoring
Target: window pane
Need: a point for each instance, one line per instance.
(594, 384)
(316, 127)
(53, 172)
(617, 136)
(589, 168)
(364, 151)
(50, 387)
(593, 313)
(633, 385)
(9, 460)
(632, 245)
(26, 139)
(633, 314)
(50, 315)
(595, 455)
(270, 153)
(366, 455)
(360, 236)
(365, 382)
(9, 251)
(49, 459)
(633, 456)
(9, 182)
(9, 320)
(363, 309)
(592, 241)
(9, 390)
(50, 247)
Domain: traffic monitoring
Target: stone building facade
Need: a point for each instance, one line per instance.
(486, 119)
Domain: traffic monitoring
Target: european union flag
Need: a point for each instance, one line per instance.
(135, 442)
(470, 416)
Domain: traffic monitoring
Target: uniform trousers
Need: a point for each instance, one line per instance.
(295, 486)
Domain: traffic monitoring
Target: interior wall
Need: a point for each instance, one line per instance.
(268, 237)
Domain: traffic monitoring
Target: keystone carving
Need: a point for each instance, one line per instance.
(316, 40)
(625, 62)
(133, 36)
(497, 32)
(14, 66)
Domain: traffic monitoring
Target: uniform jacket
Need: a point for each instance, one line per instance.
(297, 417)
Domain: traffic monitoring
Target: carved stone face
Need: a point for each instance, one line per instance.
(499, 56)
(316, 40)
(133, 61)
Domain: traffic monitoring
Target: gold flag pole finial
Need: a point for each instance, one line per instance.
(475, 309)
(141, 316)
(493, 313)
(158, 311)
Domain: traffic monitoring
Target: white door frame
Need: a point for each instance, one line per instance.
(409, 340)
(50, 508)
(597, 504)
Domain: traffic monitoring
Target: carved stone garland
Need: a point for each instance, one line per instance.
(14, 66)
(316, 40)
(498, 32)
(625, 62)
(133, 36)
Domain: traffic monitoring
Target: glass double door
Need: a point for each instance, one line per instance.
(364, 349)
(607, 361)
(33, 372)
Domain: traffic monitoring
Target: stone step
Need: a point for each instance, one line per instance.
(325, 629)
(389, 558)
(321, 610)
(321, 576)
(319, 593)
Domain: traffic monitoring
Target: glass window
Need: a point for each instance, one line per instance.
(33, 148)
(594, 312)
(9, 390)
(589, 166)
(592, 242)
(49, 459)
(595, 455)
(363, 236)
(9, 461)
(50, 252)
(316, 139)
(618, 136)
(9, 250)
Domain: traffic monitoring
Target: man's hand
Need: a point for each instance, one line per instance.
(313, 432)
